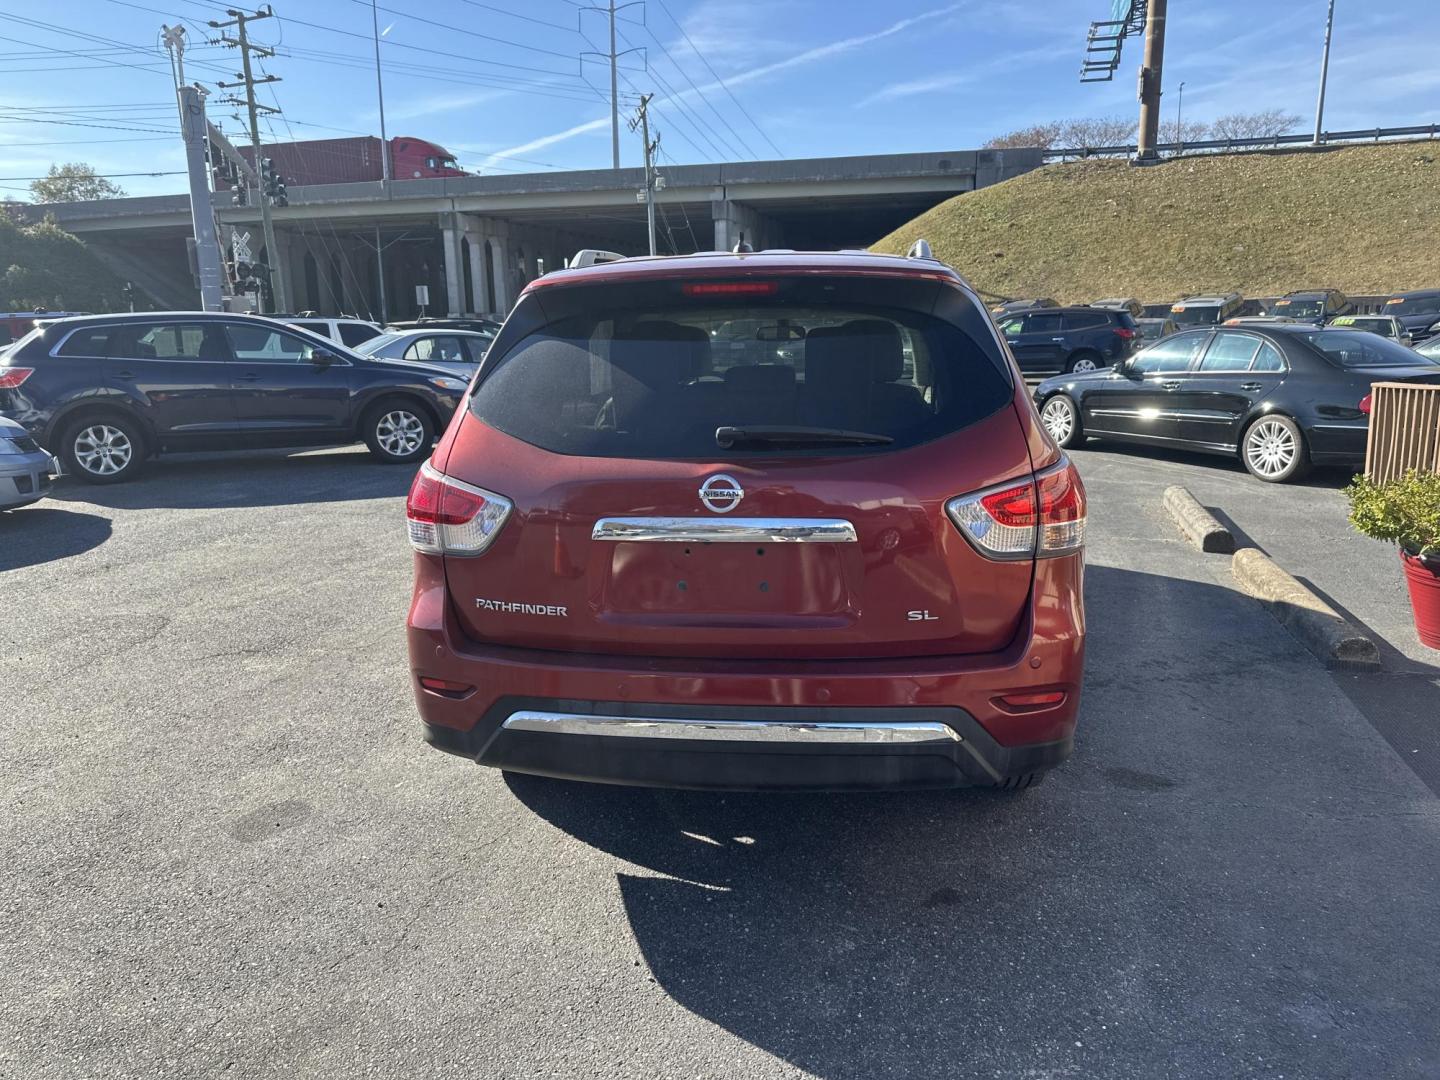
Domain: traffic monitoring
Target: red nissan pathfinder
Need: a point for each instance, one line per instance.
(750, 520)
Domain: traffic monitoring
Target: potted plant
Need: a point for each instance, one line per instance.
(1407, 512)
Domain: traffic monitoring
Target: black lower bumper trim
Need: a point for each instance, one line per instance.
(975, 758)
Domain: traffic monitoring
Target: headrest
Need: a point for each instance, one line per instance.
(761, 380)
(861, 351)
(689, 344)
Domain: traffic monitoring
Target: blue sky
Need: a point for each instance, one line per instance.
(503, 83)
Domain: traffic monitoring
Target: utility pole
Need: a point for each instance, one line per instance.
(1150, 83)
(202, 213)
(611, 10)
(385, 176)
(1324, 74)
(642, 120)
(1179, 117)
(174, 38)
(241, 41)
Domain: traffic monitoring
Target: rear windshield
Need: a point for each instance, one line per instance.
(1360, 349)
(659, 382)
(1195, 316)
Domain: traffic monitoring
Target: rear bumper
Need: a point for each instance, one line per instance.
(755, 724)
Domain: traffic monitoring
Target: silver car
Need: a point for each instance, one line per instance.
(457, 351)
(25, 469)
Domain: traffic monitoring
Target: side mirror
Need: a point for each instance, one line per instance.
(322, 359)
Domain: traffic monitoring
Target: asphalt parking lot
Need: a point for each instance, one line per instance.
(227, 852)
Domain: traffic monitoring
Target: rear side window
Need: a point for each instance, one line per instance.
(161, 341)
(1086, 320)
(1229, 351)
(262, 345)
(87, 341)
(353, 334)
(1044, 324)
(1269, 358)
(445, 348)
(658, 382)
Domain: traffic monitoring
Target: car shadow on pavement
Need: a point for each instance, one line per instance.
(257, 478)
(1329, 477)
(1106, 923)
(41, 534)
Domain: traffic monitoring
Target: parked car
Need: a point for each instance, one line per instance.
(478, 325)
(1009, 307)
(1206, 310)
(1430, 348)
(348, 332)
(105, 392)
(457, 351)
(1281, 396)
(1152, 330)
(859, 567)
(1070, 339)
(1316, 306)
(1124, 303)
(25, 469)
(1419, 311)
(1384, 325)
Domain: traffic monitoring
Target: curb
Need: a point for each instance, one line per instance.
(1197, 523)
(1316, 625)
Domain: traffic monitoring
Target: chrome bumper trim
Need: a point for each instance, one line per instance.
(697, 530)
(734, 731)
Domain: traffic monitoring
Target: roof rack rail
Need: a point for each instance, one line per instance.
(920, 250)
(593, 257)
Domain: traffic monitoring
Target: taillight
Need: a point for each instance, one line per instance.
(449, 517)
(1364, 405)
(1043, 517)
(1124, 332)
(12, 377)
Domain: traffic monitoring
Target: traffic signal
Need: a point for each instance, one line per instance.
(240, 195)
(272, 184)
(278, 196)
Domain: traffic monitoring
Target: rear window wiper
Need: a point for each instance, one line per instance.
(786, 435)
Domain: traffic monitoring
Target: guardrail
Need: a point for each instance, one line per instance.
(1404, 430)
(1269, 142)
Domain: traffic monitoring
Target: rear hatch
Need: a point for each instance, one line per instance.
(699, 469)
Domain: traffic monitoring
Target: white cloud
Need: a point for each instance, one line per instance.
(547, 140)
(443, 103)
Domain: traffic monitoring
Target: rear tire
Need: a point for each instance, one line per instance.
(1083, 361)
(1273, 450)
(397, 431)
(103, 449)
(1062, 420)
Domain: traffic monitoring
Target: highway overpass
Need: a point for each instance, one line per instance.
(476, 240)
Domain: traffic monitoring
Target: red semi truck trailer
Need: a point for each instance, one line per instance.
(348, 161)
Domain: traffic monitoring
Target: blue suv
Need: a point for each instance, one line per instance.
(106, 392)
(1058, 340)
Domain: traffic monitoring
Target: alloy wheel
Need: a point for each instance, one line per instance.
(1059, 419)
(399, 433)
(103, 450)
(1270, 448)
(1084, 364)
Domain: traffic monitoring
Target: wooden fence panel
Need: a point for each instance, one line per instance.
(1404, 430)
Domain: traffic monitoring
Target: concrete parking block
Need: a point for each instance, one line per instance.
(1334, 640)
(1199, 525)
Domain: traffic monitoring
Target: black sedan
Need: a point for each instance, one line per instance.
(1283, 396)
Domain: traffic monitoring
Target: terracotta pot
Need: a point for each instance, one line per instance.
(1423, 577)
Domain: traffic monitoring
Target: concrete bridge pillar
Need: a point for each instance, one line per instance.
(451, 230)
(734, 219)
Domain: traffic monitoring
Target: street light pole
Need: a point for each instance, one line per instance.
(1324, 74)
(1179, 115)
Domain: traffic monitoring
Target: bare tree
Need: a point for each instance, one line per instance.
(1097, 131)
(1257, 125)
(1187, 131)
(1041, 135)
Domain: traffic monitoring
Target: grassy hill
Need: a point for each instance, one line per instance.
(1362, 219)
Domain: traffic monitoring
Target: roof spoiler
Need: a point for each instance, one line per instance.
(920, 250)
(593, 257)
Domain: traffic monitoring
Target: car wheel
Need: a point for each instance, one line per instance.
(1062, 421)
(1273, 450)
(103, 449)
(1083, 361)
(398, 432)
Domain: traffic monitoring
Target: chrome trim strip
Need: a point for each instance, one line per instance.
(699, 530)
(735, 731)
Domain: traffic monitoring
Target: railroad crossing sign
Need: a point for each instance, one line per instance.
(240, 245)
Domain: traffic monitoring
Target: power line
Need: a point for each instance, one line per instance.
(700, 93)
(517, 15)
(102, 176)
(706, 131)
(716, 76)
(469, 33)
